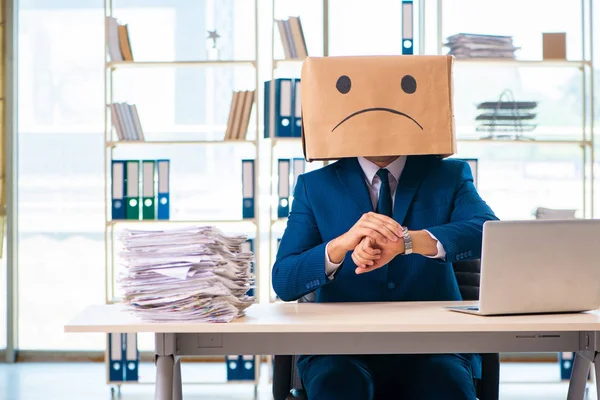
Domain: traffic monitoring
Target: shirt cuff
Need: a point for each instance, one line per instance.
(330, 267)
(441, 253)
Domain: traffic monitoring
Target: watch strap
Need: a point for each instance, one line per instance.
(407, 241)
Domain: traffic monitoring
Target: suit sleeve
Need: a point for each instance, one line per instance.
(300, 263)
(461, 238)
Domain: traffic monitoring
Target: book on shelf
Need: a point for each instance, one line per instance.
(239, 115)
(126, 120)
(292, 38)
(119, 45)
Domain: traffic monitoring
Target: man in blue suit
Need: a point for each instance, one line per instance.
(381, 228)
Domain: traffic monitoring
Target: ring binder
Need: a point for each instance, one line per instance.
(118, 189)
(283, 207)
(407, 27)
(248, 189)
(148, 189)
(163, 204)
(132, 194)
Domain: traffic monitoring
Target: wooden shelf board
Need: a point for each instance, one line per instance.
(190, 63)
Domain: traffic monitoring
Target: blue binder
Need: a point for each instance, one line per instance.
(248, 190)
(241, 368)
(131, 356)
(118, 189)
(297, 118)
(565, 363)
(283, 108)
(115, 357)
(163, 204)
(132, 189)
(407, 27)
(283, 176)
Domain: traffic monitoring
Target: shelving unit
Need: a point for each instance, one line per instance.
(179, 142)
(275, 142)
(586, 139)
(111, 143)
(162, 64)
(583, 137)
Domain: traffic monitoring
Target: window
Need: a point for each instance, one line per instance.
(61, 117)
(3, 302)
(61, 240)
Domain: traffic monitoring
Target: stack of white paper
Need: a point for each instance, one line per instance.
(548, 213)
(192, 273)
(469, 45)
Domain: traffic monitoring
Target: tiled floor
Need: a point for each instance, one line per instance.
(64, 381)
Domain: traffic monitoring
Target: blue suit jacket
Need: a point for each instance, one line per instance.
(433, 193)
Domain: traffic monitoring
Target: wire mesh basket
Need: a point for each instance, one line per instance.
(506, 118)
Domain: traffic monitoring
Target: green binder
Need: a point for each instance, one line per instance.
(148, 189)
(132, 189)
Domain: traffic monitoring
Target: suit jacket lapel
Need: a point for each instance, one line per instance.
(351, 175)
(415, 169)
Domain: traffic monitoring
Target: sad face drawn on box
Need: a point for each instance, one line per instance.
(377, 106)
(408, 84)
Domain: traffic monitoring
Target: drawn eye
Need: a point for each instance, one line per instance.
(408, 84)
(343, 84)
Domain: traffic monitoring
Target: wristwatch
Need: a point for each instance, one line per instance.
(407, 241)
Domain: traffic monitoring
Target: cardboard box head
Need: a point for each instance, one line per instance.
(377, 106)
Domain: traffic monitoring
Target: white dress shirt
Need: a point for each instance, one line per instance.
(374, 183)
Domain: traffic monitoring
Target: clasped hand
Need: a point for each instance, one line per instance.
(374, 241)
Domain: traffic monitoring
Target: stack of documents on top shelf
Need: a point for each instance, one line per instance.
(548, 213)
(470, 45)
(186, 274)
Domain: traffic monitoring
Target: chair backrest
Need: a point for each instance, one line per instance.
(467, 275)
(309, 298)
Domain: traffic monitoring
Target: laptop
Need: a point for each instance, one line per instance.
(538, 266)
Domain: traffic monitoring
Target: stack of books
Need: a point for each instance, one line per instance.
(292, 38)
(470, 45)
(239, 115)
(195, 273)
(119, 46)
(126, 121)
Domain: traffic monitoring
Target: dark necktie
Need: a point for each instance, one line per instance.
(384, 204)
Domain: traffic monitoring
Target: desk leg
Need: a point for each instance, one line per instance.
(579, 374)
(166, 353)
(164, 378)
(177, 386)
(597, 372)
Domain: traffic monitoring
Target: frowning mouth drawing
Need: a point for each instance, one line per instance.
(377, 109)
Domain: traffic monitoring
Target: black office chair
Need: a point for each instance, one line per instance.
(287, 384)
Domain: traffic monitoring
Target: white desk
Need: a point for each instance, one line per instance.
(353, 328)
